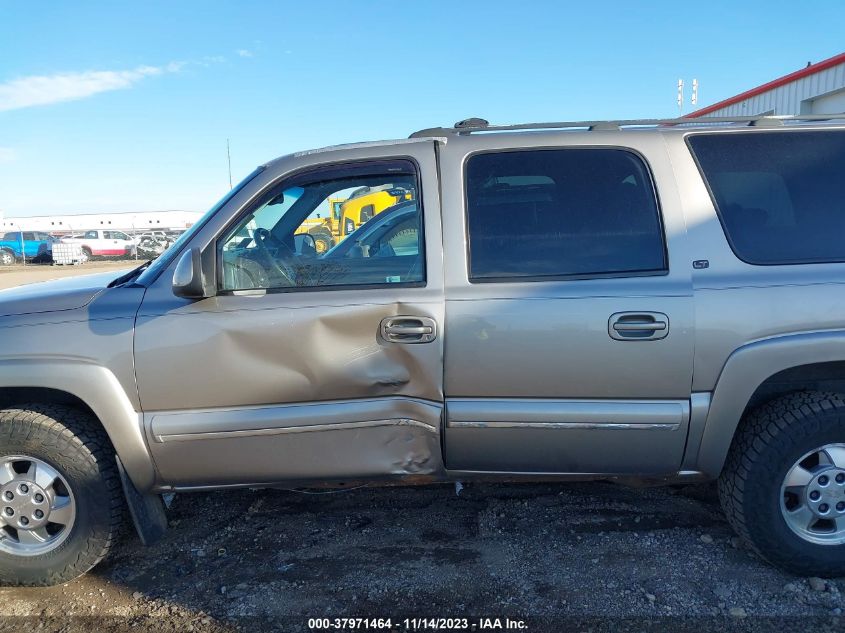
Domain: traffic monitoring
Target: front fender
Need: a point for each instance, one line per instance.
(745, 370)
(100, 389)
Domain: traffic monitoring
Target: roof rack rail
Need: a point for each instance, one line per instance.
(473, 125)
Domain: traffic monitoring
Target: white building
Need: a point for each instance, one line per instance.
(817, 89)
(126, 222)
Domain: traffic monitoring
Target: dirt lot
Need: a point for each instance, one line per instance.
(595, 556)
(11, 276)
(584, 557)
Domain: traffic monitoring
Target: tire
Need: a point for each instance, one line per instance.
(7, 258)
(778, 439)
(73, 444)
(322, 241)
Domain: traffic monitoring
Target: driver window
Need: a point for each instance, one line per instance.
(339, 231)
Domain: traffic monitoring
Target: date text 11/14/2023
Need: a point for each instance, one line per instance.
(417, 624)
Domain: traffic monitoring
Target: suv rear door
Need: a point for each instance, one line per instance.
(338, 376)
(569, 322)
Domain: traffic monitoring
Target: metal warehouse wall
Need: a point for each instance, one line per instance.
(809, 92)
(128, 222)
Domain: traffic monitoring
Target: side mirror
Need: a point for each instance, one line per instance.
(305, 245)
(188, 281)
(277, 199)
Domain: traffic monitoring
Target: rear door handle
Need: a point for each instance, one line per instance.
(408, 329)
(638, 326)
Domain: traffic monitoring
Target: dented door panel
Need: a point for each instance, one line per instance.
(241, 351)
(295, 385)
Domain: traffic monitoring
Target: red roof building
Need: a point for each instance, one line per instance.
(817, 89)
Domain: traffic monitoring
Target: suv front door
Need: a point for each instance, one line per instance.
(304, 365)
(570, 324)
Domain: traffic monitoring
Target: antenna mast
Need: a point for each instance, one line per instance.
(229, 159)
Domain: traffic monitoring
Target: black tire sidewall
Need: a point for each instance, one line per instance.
(91, 530)
(762, 499)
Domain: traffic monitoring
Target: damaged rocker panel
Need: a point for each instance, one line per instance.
(336, 440)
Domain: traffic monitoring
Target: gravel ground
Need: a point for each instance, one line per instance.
(591, 556)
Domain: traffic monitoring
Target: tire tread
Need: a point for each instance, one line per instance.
(70, 432)
(766, 434)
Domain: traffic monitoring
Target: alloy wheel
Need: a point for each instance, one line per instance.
(813, 496)
(37, 508)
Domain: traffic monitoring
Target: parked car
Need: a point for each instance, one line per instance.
(104, 242)
(153, 243)
(33, 245)
(395, 231)
(651, 301)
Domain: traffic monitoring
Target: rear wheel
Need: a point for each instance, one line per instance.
(86, 253)
(61, 503)
(783, 486)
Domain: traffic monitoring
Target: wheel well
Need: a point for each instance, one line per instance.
(814, 377)
(10, 396)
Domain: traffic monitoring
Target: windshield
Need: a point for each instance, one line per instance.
(163, 260)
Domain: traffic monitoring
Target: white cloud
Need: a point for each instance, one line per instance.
(38, 90)
(7, 155)
(242, 52)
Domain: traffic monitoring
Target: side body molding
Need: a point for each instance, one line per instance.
(383, 438)
(747, 368)
(99, 389)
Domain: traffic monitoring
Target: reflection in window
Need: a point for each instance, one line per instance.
(780, 195)
(561, 213)
(354, 231)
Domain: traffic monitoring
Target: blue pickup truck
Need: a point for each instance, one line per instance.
(33, 245)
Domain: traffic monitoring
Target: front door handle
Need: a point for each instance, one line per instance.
(408, 329)
(638, 326)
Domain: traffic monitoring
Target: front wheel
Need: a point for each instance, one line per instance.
(783, 485)
(7, 258)
(61, 504)
(322, 241)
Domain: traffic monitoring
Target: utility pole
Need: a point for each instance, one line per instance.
(229, 159)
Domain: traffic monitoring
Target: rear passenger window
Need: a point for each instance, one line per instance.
(546, 214)
(780, 195)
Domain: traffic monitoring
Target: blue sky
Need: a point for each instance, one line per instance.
(119, 106)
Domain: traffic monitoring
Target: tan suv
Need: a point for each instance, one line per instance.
(641, 299)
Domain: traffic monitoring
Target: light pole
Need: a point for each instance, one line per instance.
(134, 238)
(23, 248)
